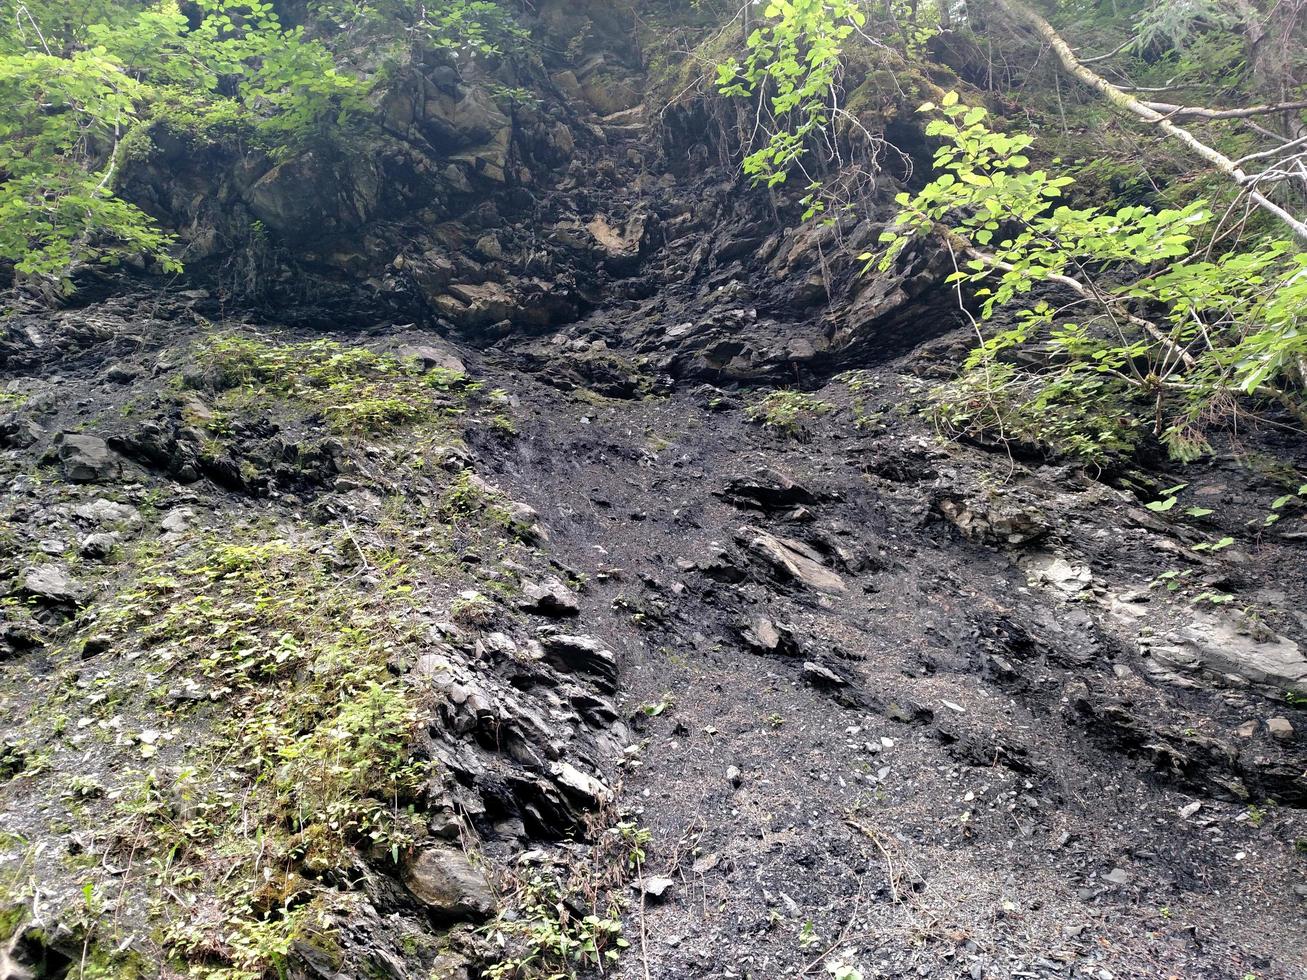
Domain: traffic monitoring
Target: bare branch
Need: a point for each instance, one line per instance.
(1111, 54)
(1200, 112)
(1270, 153)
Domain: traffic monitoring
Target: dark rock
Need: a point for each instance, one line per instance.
(820, 676)
(87, 459)
(97, 546)
(582, 654)
(18, 433)
(766, 490)
(16, 638)
(451, 887)
(93, 646)
(597, 712)
(721, 565)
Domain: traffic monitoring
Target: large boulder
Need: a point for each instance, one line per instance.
(446, 881)
(87, 459)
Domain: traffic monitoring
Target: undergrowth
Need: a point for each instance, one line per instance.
(356, 390)
(252, 736)
(786, 412)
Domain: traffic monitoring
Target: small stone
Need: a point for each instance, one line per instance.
(1247, 730)
(1280, 728)
(430, 357)
(705, 864)
(52, 546)
(733, 776)
(1189, 809)
(525, 521)
(177, 520)
(1117, 876)
(819, 676)
(97, 546)
(656, 888)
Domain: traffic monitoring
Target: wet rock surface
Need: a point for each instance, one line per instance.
(936, 704)
(920, 717)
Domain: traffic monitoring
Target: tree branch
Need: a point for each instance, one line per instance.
(1199, 112)
(1128, 104)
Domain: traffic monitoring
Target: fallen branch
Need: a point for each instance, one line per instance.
(1199, 112)
(1127, 103)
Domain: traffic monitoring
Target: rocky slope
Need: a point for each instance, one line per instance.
(485, 573)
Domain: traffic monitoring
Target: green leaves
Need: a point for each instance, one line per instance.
(1180, 330)
(796, 59)
(82, 94)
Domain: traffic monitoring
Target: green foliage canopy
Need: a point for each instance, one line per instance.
(792, 66)
(81, 83)
(1151, 313)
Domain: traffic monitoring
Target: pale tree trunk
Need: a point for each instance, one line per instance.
(1127, 103)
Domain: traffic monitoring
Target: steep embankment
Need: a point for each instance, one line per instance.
(342, 646)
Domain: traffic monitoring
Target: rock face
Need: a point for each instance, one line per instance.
(880, 631)
(87, 459)
(1217, 645)
(448, 884)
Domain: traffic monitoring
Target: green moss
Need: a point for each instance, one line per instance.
(357, 390)
(786, 411)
